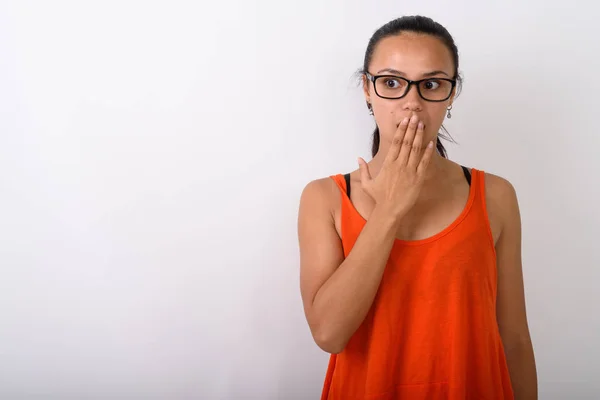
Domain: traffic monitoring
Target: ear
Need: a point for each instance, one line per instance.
(365, 84)
(451, 99)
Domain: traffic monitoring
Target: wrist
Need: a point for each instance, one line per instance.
(387, 217)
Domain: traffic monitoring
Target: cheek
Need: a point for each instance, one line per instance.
(436, 118)
(388, 116)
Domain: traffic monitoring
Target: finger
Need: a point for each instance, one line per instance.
(407, 142)
(426, 159)
(394, 150)
(365, 175)
(415, 154)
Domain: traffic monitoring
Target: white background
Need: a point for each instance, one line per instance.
(152, 155)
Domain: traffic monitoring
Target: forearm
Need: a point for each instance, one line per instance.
(522, 369)
(343, 302)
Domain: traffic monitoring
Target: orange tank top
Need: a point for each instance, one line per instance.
(431, 333)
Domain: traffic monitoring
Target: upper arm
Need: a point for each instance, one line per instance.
(321, 249)
(510, 307)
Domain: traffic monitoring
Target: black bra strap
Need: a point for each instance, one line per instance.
(347, 178)
(467, 174)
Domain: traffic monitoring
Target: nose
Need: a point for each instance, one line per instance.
(412, 101)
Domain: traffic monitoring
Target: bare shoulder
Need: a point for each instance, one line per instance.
(502, 203)
(321, 194)
(500, 191)
(320, 201)
(499, 188)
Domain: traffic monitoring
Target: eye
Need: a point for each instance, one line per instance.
(431, 84)
(392, 83)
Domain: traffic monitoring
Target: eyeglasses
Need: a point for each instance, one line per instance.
(396, 87)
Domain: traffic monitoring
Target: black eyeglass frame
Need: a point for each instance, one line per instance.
(373, 78)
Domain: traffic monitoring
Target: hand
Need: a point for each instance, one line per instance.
(397, 186)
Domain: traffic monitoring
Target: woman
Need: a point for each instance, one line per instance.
(411, 265)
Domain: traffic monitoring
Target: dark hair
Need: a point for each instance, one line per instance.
(416, 24)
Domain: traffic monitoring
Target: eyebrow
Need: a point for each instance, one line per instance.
(400, 73)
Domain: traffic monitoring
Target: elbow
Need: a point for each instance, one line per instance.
(327, 334)
(330, 346)
(328, 341)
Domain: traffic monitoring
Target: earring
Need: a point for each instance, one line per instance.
(449, 113)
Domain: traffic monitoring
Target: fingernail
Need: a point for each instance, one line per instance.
(404, 121)
(420, 125)
(430, 145)
(413, 118)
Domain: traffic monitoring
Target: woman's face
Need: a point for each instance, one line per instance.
(414, 57)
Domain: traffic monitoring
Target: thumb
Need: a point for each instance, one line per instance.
(365, 175)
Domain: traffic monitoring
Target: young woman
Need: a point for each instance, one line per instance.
(411, 265)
